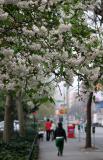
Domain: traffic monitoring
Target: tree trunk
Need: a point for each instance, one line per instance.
(88, 126)
(19, 106)
(8, 118)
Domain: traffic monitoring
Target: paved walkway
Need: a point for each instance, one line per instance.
(73, 150)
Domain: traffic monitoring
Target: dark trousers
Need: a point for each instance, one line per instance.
(48, 135)
(60, 145)
(52, 134)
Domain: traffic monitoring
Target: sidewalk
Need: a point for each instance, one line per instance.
(73, 150)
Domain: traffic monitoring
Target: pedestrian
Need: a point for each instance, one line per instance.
(53, 127)
(48, 129)
(60, 136)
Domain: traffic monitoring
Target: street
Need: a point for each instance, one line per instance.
(97, 138)
(74, 149)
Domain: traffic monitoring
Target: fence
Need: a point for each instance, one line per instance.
(34, 149)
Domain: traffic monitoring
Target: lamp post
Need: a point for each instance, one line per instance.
(67, 102)
(78, 85)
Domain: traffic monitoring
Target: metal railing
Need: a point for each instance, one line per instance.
(33, 147)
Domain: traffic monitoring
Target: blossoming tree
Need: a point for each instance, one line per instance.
(31, 31)
(40, 39)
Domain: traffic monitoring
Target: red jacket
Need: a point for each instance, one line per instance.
(48, 125)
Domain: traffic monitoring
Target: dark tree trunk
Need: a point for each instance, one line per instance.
(88, 126)
(8, 118)
(20, 111)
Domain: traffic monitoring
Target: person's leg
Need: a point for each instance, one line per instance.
(57, 145)
(47, 135)
(49, 132)
(61, 146)
(52, 134)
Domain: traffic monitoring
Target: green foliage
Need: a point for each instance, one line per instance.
(45, 99)
(79, 30)
(18, 148)
(46, 110)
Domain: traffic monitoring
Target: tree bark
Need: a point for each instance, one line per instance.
(22, 131)
(8, 118)
(88, 125)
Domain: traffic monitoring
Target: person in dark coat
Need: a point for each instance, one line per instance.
(60, 136)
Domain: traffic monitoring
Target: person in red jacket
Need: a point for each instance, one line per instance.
(48, 129)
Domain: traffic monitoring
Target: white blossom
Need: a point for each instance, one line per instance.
(43, 30)
(1, 85)
(35, 29)
(25, 4)
(44, 1)
(11, 1)
(75, 61)
(28, 32)
(4, 77)
(41, 8)
(94, 73)
(1, 2)
(3, 15)
(60, 40)
(10, 86)
(30, 103)
(35, 46)
(7, 52)
(64, 28)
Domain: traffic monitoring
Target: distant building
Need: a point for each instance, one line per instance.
(98, 108)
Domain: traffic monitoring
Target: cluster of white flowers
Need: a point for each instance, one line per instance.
(64, 28)
(11, 1)
(35, 29)
(41, 37)
(84, 70)
(3, 15)
(92, 55)
(43, 30)
(35, 59)
(35, 46)
(4, 77)
(70, 75)
(1, 85)
(7, 52)
(11, 39)
(1, 2)
(94, 74)
(28, 32)
(30, 103)
(75, 61)
(20, 70)
(91, 74)
(51, 2)
(44, 1)
(80, 5)
(10, 86)
(25, 4)
(60, 40)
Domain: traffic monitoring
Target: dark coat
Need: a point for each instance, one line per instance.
(60, 132)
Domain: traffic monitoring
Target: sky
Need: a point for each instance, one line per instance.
(60, 92)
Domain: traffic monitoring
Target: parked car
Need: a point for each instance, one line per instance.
(97, 124)
(1, 125)
(16, 125)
